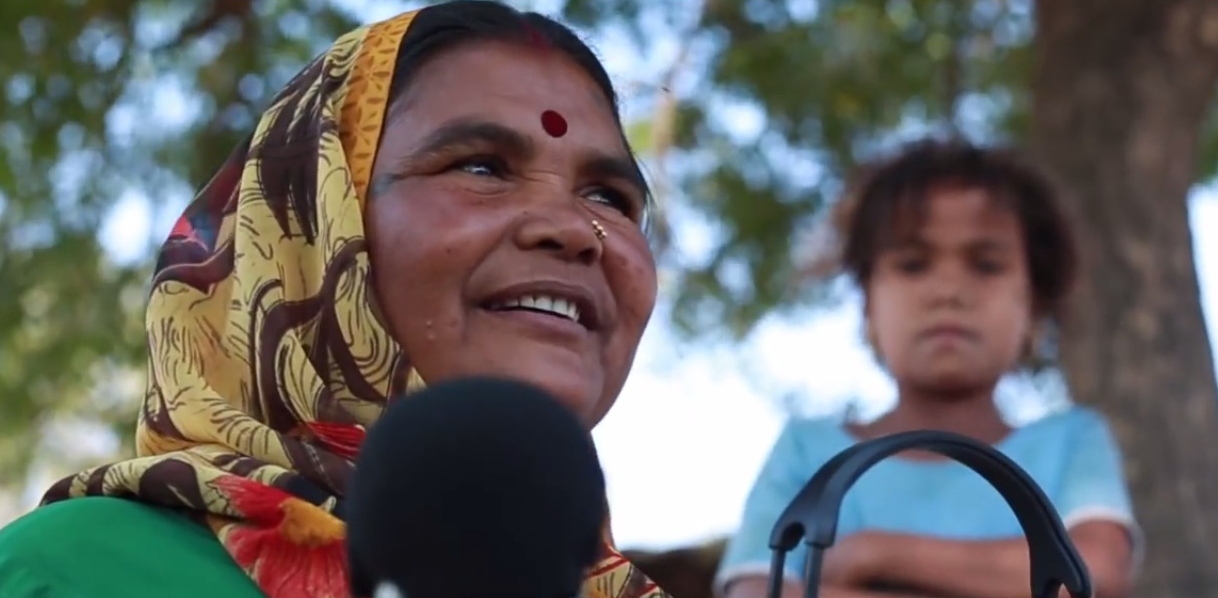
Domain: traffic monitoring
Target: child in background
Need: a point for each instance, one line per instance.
(962, 255)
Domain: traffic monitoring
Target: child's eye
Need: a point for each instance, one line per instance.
(911, 265)
(989, 266)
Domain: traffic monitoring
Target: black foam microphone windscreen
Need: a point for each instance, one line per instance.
(475, 488)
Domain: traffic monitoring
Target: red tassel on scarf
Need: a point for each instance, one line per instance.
(612, 559)
(183, 229)
(343, 440)
(290, 547)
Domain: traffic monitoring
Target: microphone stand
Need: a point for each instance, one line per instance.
(813, 514)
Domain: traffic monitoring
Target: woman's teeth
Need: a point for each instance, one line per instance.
(544, 303)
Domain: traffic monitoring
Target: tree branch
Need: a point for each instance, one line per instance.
(207, 21)
(664, 124)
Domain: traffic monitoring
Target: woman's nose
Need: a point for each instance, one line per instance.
(561, 227)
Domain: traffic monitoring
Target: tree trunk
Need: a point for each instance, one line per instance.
(1120, 90)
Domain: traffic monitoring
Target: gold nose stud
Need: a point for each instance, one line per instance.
(599, 230)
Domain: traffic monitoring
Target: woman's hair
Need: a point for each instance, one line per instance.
(444, 26)
(448, 25)
(883, 196)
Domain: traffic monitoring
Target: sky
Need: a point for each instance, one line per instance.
(693, 425)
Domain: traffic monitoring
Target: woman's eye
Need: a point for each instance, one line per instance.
(482, 166)
(612, 198)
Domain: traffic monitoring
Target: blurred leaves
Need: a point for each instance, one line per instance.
(109, 100)
(819, 84)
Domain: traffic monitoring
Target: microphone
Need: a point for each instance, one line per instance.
(475, 488)
(814, 512)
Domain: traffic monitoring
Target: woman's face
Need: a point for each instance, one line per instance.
(950, 303)
(480, 223)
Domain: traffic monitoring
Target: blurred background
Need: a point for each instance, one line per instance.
(747, 113)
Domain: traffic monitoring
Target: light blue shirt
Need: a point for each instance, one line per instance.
(1070, 454)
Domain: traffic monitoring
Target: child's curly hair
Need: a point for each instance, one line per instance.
(887, 196)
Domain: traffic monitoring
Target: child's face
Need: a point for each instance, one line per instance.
(949, 303)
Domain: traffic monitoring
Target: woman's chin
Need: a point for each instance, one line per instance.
(576, 388)
(578, 393)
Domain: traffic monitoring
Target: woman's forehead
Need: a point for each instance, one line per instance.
(513, 84)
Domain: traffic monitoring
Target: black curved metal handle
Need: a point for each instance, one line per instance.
(814, 512)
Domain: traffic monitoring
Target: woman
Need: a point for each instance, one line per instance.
(962, 255)
(448, 192)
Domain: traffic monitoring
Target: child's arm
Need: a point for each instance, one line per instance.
(800, 450)
(1094, 504)
(997, 568)
(755, 587)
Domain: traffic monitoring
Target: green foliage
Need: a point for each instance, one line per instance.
(106, 99)
(832, 81)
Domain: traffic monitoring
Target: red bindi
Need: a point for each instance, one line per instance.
(554, 123)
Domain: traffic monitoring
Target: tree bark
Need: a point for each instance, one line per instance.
(1120, 89)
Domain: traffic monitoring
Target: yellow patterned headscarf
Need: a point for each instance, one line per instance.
(266, 358)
